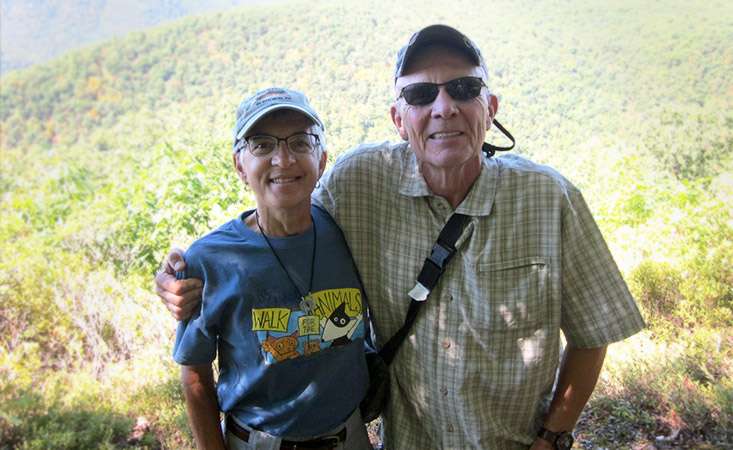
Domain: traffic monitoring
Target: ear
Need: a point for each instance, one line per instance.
(493, 107)
(396, 115)
(239, 168)
(322, 163)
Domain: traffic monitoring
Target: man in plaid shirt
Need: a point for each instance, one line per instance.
(479, 369)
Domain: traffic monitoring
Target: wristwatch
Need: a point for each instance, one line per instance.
(560, 440)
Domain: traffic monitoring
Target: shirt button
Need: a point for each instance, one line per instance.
(450, 428)
(446, 344)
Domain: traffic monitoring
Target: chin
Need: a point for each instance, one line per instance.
(451, 158)
(288, 202)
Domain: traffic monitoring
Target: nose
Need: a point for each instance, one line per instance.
(444, 106)
(281, 156)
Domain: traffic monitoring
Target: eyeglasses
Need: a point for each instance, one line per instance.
(262, 145)
(460, 89)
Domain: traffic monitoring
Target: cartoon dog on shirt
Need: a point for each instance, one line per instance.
(339, 327)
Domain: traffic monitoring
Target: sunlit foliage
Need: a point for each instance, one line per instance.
(112, 153)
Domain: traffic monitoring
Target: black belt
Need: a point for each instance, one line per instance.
(321, 443)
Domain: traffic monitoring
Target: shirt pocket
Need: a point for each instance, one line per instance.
(514, 293)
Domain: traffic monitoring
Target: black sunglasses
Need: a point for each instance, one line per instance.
(460, 89)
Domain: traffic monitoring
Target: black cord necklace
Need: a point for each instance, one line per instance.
(305, 298)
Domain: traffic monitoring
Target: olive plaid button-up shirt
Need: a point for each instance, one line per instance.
(478, 368)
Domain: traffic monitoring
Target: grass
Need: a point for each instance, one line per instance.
(666, 394)
(135, 403)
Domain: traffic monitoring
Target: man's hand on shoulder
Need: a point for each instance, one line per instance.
(181, 297)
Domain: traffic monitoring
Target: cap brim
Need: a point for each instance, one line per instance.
(253, 120)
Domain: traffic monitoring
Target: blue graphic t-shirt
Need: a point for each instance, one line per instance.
(287, 366)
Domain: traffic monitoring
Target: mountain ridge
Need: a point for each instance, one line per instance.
(37, 31)
(560, 68)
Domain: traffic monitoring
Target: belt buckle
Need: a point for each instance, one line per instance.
(324, 442)
(331, 441)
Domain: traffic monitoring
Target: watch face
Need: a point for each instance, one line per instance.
(564, 441)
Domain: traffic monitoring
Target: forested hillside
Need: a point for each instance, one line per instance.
(113, 153)
(34, 31)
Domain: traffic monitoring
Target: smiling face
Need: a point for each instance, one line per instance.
(282, 181)
(446, 134)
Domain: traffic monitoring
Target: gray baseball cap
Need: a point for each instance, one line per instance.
(263, 102)
(438, 35)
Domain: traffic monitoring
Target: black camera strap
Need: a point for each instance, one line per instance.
(432, 269)
(490, 149)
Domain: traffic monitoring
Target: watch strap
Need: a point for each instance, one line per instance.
(558, 439)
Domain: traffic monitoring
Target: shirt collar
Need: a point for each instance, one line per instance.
(480, 198)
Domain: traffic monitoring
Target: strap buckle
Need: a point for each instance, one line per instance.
(435, 264)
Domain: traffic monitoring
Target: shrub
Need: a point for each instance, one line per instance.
(656, 286)
(32, 421)
(680, 389)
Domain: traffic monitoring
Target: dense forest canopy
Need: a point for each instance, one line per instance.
(583, 71)
(113, 152)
